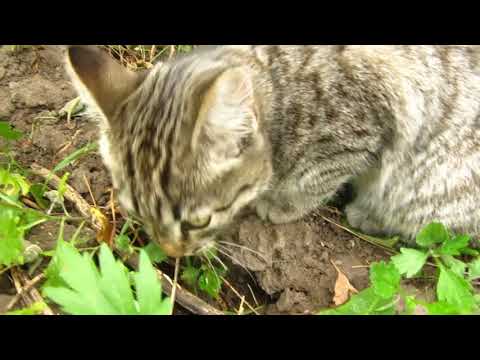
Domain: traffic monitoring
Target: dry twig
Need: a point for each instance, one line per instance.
(27, 291)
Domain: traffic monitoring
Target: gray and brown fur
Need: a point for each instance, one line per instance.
(282, 128)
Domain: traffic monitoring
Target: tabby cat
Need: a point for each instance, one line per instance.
(193, 141)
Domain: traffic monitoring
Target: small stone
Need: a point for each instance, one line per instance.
(31, 252)
(2, 72)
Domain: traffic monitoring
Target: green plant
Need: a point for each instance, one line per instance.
(80, 288)
(454, 276)
(15, 218)
(205, 276)
(34, 309)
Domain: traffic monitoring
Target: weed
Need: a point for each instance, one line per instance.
(80, 288)
(454, 277)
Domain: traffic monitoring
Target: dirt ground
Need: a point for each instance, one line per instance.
(295, 273)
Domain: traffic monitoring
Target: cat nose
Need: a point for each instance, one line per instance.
(175, 250)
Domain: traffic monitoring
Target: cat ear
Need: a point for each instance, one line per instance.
(227, 116)
(100, 79)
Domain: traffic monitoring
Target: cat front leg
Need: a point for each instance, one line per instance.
(360, 218)
(279, 208)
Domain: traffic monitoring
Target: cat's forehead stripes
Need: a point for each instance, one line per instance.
(151, 131)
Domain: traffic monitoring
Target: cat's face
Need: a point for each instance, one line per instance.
(182, 142)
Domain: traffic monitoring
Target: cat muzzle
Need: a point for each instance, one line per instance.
(173, 250)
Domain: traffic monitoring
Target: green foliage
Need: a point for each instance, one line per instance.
(410, 262)
(432, 234)
(367, 302)
(474, 269)
(455, 290)
(155, 253)
(13, 184)
(455, 293)
(8, 133)
(11, 237)
(15, 219)
(87, 149)
(206, 276)
(34, 309)
(385, 279)
(80, 288)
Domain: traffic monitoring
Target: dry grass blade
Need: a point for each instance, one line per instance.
(70, 194)
(360, 236)
(30, 296)
(241, 297)
(23, 290)
(175, 281)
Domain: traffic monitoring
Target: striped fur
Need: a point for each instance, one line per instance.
(284, 127)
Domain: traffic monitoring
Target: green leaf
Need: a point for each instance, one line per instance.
(115, 283)
(7, 132)
(37, 191)
(12, 184)
(410, 261)
(83, 295)
(122, 242)
(455, 290)
(432, 234)
(62, 185)
(385, 279)
(210, 282)
(11, 237)
(474, 269)
(80, 289)
(470, 252)
(453, 246)
(34, 309)
(364, 303)
(155, 254)
(442, 308)
(74, 156)
(149, 290)
(22, 183)
(410, 304)
(457, 266)
(190, 275)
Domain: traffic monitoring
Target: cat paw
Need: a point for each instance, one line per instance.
(262, 208)
(273, 214)
(358, 219)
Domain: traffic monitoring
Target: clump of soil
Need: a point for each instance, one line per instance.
(296, 263)
(296, 272)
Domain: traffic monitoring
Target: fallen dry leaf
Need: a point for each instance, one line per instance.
(104, 235)
(343, 288)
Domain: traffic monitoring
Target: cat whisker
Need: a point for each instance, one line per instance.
(259, 254)
(234, 259)
(211, 265)
(217, 259)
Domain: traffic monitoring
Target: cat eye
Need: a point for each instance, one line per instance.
(196, 224)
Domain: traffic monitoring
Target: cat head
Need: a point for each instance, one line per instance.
(183, 142)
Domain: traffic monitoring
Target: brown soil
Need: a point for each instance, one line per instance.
(296, 275)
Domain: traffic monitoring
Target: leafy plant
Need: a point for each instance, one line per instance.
(206, 277)
(15, 218)
(34, 309)
(8, 133)
(455, 293)
(80, 288)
